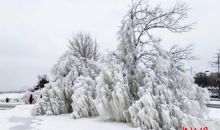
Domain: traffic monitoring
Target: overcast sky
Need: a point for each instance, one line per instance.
(34, 33)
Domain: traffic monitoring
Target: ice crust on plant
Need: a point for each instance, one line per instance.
(152, 94)
(83, 98)
(53, 101)
(74, 78)
(158, 95)
(112, 91)
(169, 99)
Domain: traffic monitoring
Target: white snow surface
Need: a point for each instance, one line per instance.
(20, 118)
(14, 97)
(214, 102)
(11, 95)
(214, 114)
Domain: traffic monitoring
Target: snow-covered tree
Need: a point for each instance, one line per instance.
(135, 35)
(74, 78)
(147, 87)
(168, 99)
(140, 83)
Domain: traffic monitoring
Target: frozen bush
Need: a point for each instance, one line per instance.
(68, 72)
(112, 91)
(82, 98)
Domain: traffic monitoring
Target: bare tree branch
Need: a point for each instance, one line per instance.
(83, 46)
(178, 54)
(144, 19)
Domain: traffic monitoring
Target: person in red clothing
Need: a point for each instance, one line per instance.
(31, 99)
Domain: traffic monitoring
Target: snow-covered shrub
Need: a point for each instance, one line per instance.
(56, 96)
(169, 99)
(112, 91)
(53, 102)
(140, 83)
(82, 98)
(68, 63)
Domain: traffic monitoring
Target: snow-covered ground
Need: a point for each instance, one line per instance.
(14, 97)
(11, 95)
(214, 102)
(214, 114)
(19, 118)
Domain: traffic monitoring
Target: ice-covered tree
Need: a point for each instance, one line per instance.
(74, 78)
(140, 83)
(151, 90)
(168, 99)
(135, 34)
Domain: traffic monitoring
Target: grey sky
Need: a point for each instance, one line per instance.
(34, 33)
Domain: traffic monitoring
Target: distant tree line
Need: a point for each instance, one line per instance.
(204, 80)
(213, 79)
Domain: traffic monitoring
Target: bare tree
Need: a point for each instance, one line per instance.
(181, 53)
(84, 46)
(135, 35)
(146, 19)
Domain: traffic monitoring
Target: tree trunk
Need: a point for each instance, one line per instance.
(132, 82)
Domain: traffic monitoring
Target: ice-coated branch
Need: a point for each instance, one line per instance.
(146, 18)
(177, 53)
